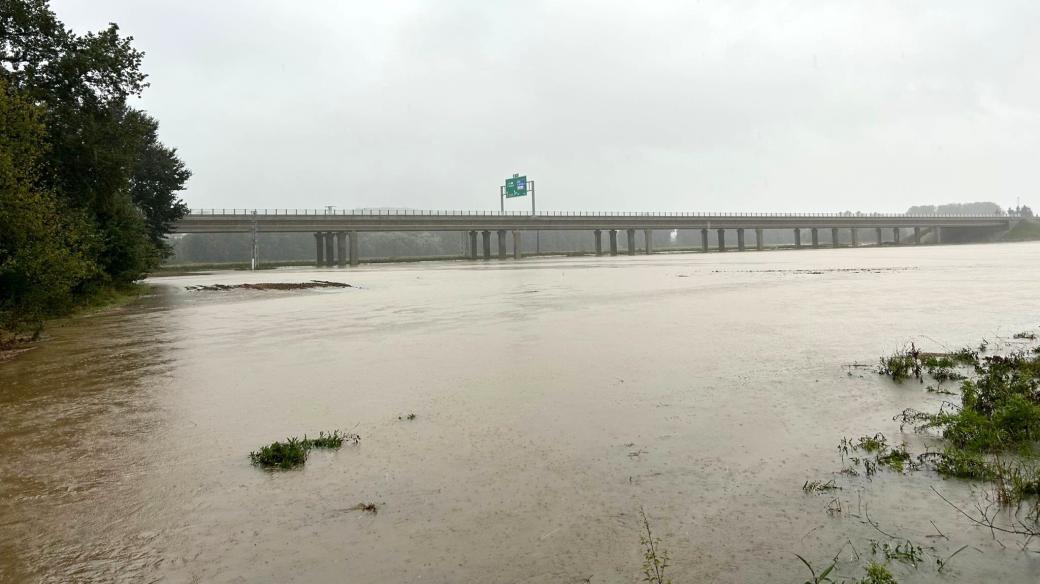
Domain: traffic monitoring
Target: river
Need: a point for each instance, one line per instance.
(554, 398)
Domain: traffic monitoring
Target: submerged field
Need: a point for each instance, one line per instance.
(517, 417)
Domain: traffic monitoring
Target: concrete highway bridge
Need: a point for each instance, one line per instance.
(337, 232)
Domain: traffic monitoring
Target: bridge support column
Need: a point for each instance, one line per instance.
(917, 236)
(341, 248)
(880, 238)
(613, 242)
(740, 238)
(797, 237)
(938, 234)
(330, 253)
(834, 237)
(501, 244)
(518, 244)
(631, 236)
(722, 239)
(472, 245)
(853, 237)
(704, 240)
(759, 243)
(815, 237)
(319, 243)
(355, 250)
(895, 235)
(648, 240)
(599, 241)
(486, 241)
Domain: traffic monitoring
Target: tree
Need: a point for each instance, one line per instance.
(101, 171)
(46, 249)
(157, 175)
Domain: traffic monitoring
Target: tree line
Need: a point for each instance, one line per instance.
(88, 192)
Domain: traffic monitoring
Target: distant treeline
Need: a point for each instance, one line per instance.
(87, 190)
(980, 208)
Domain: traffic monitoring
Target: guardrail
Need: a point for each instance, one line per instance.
(463, 213)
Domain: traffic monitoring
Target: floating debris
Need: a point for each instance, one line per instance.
(268, 286)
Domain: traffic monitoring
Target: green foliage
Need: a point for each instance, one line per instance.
(1025, 230)
(46, 249)
(283, 455)
(334, 439)
(912, 362)
(897, 459)
(88, 190)
(655, 559)
(878, 574)
(293, 452)
(822, 576)
(955, 462)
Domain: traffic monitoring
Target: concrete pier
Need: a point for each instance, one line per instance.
(631, 236)
(341, 248)
(895, 235)
(485, 237)
(815, 237)
(938, 234)
(319, 243)
(759, 243)
(613, 242)
(880, 238)
(834, 237)
(722, 239)
(330, 249)
(518, 244)
(648, 240)
(740, 238)
(355, 251)
(853, 237)
(704, 240)
(917, 236)
(472, 245)
(599, 241)
(797, 237)
(501, 244)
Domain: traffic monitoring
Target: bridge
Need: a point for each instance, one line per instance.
(337, 231)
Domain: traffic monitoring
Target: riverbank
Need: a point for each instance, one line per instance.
(14, 342)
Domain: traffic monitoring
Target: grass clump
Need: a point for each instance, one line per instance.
(902, 365)
(913, 363)
(293, 452)
(283, 455)
(878, 574)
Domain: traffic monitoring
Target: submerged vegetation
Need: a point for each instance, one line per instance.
(991, 436)
(293, 452)
(655, 558)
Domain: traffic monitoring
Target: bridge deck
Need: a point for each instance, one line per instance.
(293, 220)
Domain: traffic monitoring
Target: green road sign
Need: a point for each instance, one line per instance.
(516, 186)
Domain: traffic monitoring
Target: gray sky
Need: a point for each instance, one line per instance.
(728, 105)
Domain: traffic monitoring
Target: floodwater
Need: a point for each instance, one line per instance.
(554, 398)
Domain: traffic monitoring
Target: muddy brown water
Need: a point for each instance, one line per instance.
(553, 399)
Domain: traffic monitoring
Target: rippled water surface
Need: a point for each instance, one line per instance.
(553, 399)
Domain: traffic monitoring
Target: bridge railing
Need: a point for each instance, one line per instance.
(467, 213)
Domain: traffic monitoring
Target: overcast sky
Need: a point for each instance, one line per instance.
(728, 105)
